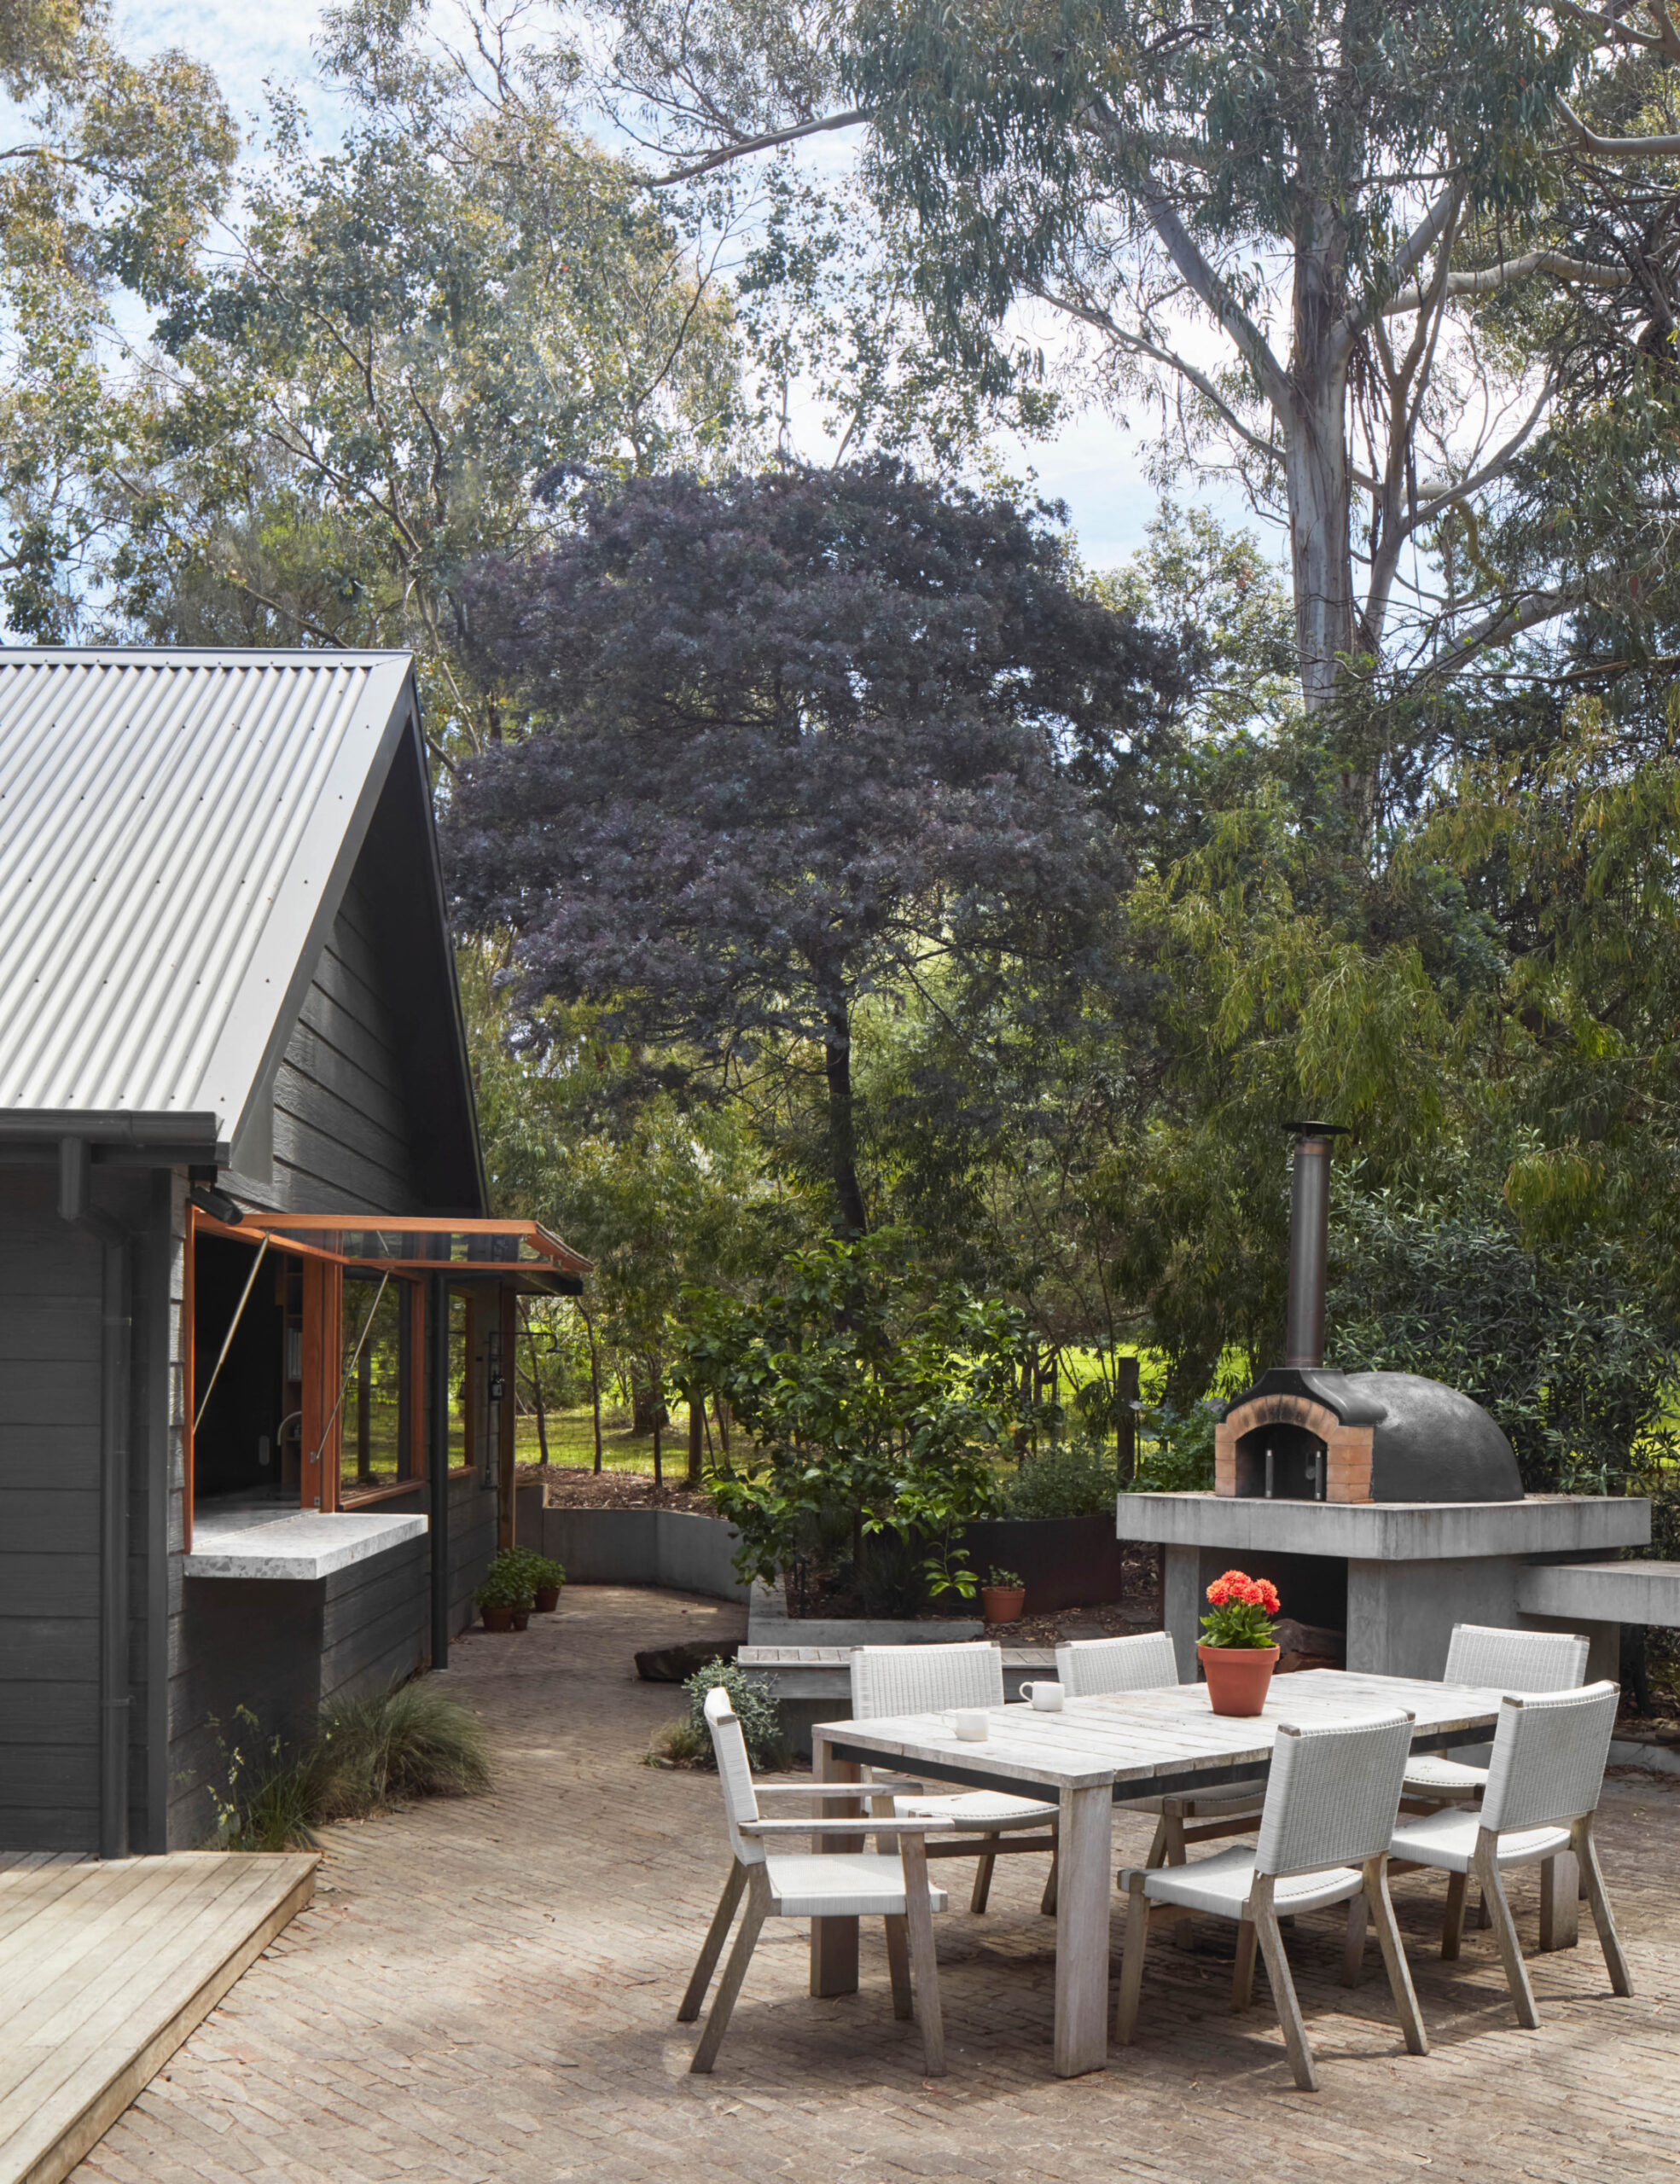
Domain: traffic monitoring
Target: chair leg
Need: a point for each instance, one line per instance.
(1131, 1966)
(1452, 1927)
(1381, 1907)
(1047, 1901)
(712, 1947)
(1158, 1846)
(919, 1924)
(1242, 1972)
(1173, 1853)
(982, 1889)
(1353, 1948)
(1592, 1879)
(1283, 1986)
(1505, 1932)
(752, 1919)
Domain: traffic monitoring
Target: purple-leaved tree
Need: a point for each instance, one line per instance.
(792, 740)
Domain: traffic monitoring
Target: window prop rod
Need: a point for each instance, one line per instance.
(355, 1360)
(233, 1329)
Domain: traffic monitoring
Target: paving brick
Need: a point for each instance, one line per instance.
(485, 1989)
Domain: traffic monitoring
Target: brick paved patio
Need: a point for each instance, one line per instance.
(485, 1990)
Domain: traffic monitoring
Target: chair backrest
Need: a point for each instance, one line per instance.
(1090, 1666)
(922, 1679)
(1334, 1793)
(739, 1799)
(1549, 1755)
(1515, 1661)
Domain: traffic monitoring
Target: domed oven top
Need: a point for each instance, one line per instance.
(1303, 1433)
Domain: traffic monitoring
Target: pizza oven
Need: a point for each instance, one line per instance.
(1302, 1433)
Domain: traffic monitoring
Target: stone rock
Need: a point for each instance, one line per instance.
(676, 1663)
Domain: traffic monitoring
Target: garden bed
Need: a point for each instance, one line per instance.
(567, 1487)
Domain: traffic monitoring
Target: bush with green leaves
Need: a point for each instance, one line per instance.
(1068, 1479)
(1175, 1452)
(412, 1740)
(510, 1580)
(865, 1385)
(1563, 1345)
(755, 1709)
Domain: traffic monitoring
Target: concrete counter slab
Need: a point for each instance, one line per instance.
(298, 1545)
(1389, 1531)
(1603, 1592)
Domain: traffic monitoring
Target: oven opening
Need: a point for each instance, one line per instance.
(1281, 1463)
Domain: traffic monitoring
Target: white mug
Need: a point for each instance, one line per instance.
(1046, 1697)
(968, 1727)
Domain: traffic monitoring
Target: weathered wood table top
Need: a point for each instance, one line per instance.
(1146, 1742)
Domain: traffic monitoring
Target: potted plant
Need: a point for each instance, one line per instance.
(1239, 1651)
(1002, 1596)
(547, 1577)
(504, 1599)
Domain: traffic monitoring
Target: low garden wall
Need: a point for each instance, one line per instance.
(668, 1548)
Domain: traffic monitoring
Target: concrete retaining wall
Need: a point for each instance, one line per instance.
(668, 1548)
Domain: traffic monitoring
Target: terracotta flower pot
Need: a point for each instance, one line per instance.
(521, 1618)
(1238, 1676)
(497, 1618)
(548, 1599)
(1002, 1603)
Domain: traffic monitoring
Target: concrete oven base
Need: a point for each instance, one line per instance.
(1412, 1570)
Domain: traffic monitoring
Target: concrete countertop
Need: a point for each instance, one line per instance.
(295, 1544)
(1388, 1531)
(1603, 1592)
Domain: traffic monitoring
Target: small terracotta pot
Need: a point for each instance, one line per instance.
(497, 1618)
(521, 1618)
(548, 1599)
(1002, 1603)
(1238, 1676)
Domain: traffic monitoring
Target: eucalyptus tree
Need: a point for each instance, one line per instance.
(414, 346)
(110, 169)
(1282, 222)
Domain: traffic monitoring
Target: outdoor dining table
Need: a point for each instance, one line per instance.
(1095, 1753)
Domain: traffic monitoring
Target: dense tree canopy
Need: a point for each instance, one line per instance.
(799, 739)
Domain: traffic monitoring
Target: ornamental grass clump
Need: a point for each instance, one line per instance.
(1243, 1607)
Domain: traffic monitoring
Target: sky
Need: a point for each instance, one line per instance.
(1095, 464)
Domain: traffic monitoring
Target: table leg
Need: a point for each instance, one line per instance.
(833, 1942)
(1559, 1910)
(1084, 1891)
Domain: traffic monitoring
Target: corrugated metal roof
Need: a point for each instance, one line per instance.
(176, 831)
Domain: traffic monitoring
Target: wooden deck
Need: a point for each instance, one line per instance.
(104, 1971)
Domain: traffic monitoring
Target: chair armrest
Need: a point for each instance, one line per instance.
(895, 1786)
(815, 1826)
(817, 1789)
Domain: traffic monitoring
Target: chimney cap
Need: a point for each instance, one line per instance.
(1320, 1129)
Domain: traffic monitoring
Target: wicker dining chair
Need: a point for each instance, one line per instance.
(929, 1680)
(1543, 1782)
(1497, 1660)
(1089, 1668)
(843, 1884)
(1330, 1808)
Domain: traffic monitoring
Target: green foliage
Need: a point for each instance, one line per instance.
(410, 1741)
(1561, 1345)
(1002, 1580)
(681, 1743)
(1175, 1454)
(1068, 1479)
(510, 1580)
(863, 1386)
(753, 1707)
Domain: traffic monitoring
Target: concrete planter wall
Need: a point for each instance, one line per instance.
(667, 1548)
(1062, 1561)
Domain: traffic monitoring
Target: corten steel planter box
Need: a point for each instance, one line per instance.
(1062, 1561)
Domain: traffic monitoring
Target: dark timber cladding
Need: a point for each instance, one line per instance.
(227, 983)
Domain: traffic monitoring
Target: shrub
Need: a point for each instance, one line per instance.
(412, 1740)
(756, 1710)
(1177, 1456)
(508, 1581)
(1069, 1479)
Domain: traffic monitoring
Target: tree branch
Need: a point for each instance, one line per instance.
(1616, 147)
(1488, 280)
(725, 153)
(1500, 627)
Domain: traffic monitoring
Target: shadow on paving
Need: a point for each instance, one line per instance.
(487, 1989)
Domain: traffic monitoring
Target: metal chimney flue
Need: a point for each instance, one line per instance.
(1308, 1242)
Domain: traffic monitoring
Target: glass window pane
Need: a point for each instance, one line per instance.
(461, 1378)
(372, 1416)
